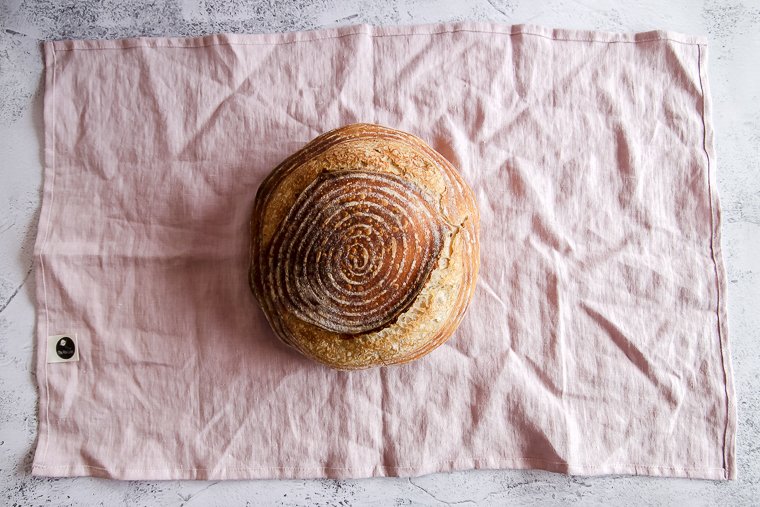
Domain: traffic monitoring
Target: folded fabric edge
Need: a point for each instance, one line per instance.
(729, 435)
(42, 328)
(323, 472)
(559, 34)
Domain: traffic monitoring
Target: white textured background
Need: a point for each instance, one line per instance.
(733, 27)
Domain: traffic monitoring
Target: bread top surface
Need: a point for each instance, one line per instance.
(364, 248)
(354, 251)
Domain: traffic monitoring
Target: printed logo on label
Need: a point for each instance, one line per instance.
(65, 348)
(62, 348)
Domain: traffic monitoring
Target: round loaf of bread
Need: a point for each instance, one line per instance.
(364, 248)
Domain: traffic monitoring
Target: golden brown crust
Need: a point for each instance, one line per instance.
(364, 248)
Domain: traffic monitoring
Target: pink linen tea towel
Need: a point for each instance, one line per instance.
(596, 342)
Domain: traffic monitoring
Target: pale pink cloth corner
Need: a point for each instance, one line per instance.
(596, 342)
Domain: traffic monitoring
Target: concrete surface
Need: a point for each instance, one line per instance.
(733, 27)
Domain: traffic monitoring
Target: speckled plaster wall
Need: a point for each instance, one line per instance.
(733, 28)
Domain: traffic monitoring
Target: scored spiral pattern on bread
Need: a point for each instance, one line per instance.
(326, 288)
(355, 250)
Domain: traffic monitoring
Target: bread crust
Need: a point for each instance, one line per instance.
(400, 171)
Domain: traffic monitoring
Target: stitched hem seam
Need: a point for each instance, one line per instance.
(336, 33)
(404, 467)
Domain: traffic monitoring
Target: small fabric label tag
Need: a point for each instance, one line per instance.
(62, 348)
